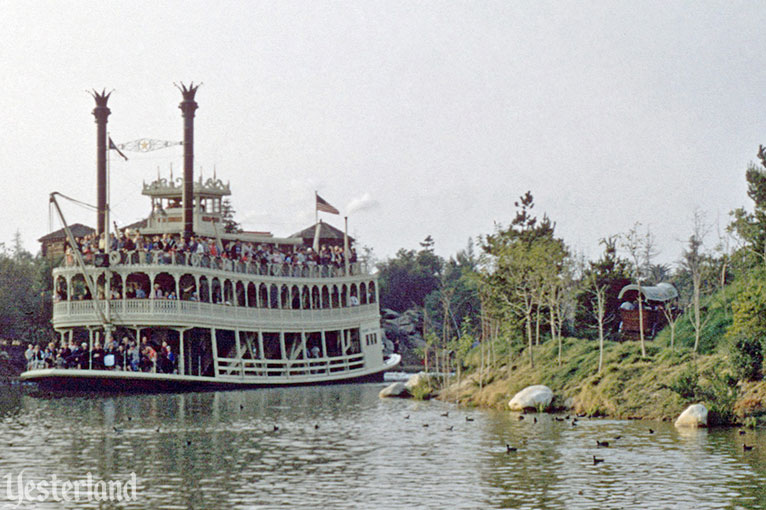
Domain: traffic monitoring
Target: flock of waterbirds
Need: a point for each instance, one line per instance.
(274, 429)
(572, 421)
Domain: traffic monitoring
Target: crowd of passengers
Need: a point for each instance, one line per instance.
(167, 245)
(115, 355)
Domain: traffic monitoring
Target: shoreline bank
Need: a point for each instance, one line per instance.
(658, 387)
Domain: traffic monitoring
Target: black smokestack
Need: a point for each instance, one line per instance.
(188, 106)
(101, 112)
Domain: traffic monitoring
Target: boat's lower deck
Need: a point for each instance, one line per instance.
(126, 381)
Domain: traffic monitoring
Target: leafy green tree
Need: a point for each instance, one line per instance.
(749, 309)
(750, 227)
(25, 294)
(409, 277)
(520, 261)
(459, 280)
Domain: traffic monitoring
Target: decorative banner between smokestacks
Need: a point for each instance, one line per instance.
(323, 206)
(147, 145)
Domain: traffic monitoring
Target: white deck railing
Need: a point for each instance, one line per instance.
(164, 311)
(232, 367)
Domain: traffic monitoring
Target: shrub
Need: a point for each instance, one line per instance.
(746, 357)
(720, 394)
(422, 390)
(687, 383)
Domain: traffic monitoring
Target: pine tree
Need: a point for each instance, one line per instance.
(229, 225)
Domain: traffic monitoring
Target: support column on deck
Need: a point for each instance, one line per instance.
(324, 349)
(283, 353)
(261, 354)
(90, 349)
(181, 357)
(214, 345)
(240, 357)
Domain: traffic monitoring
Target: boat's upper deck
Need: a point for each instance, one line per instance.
(257, 265)
(166, 279)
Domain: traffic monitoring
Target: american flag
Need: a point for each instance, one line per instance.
(323, 206)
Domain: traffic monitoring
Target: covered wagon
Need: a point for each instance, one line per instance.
(654, 301)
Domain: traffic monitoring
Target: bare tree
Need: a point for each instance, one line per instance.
(640, 248)
(525, 307)
(599, 310)
(723, 250)
(671, 315)
(693, 261)
(559, 291)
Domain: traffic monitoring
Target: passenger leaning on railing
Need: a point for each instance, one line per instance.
(173, 249)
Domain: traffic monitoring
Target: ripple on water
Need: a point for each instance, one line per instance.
(220, 450)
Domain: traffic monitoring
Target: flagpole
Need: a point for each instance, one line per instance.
(345, 246)
(108, 195)
(107, 245)
(315, 244)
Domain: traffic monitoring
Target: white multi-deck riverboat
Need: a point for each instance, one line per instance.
(221, 308)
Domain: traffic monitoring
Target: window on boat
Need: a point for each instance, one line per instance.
(252, 298)
(204, 290)
(325, 297)
(137, 286)
(215, 288)
(187, 286)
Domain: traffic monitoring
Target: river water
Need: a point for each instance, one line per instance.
(343, 447)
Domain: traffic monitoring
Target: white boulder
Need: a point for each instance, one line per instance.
(416, 380)
(532, 397)
(694, 416)
(398, 389)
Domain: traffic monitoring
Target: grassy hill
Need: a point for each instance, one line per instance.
(659, 386)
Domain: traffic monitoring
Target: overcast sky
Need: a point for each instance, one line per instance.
(414, 118)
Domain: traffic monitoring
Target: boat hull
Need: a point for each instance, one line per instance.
(102, 381)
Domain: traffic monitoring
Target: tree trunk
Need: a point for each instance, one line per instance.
(697, 322)
(425, 337)
(481, 362)
(723, 290)
(529, 336)
(600, 298)
(552, 318)
(537, 323)
(641, 320)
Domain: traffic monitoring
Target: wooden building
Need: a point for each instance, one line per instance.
(53, 245)
(328, 235)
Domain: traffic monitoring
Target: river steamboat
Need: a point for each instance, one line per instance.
(176, 303)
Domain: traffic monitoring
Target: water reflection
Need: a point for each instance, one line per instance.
(343, 447)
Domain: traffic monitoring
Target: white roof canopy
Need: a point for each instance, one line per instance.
(660, 292)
